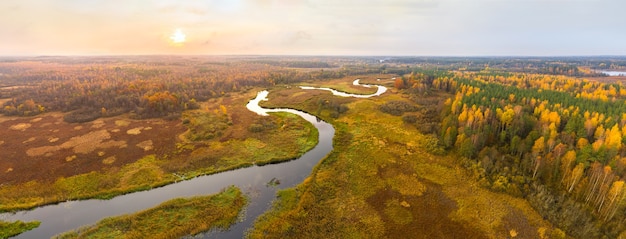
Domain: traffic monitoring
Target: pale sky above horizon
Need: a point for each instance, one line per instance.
(313, 27)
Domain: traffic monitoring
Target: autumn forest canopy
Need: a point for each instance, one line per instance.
(550, 130)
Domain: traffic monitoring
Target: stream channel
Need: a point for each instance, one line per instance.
(253, 181)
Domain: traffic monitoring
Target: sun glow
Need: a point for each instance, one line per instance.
(178, 37)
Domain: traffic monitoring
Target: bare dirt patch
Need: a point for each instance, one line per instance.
(122, 123)
(145, 145)
(35, 120)
(134, 131)
(109, 160)
(83, 144)
(39, 151)
(97, 124)
(86, 143)
(70, 158)
(62, 149)
(31, 139)
(20, 126)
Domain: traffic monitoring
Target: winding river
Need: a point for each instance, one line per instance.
(380, 91)
(253, 181)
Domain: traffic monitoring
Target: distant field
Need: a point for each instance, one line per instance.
(609, 79)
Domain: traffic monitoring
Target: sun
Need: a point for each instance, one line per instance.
(178, 37)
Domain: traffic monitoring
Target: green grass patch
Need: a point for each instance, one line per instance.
(270, 146)
(171, 219)
(9, 229)
(398, 213)
(205, 125)
(140, 175)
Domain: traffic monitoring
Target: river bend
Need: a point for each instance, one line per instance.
(253, 181)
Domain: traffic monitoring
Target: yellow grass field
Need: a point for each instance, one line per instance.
(381, 181)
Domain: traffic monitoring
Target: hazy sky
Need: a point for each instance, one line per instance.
(313, 27)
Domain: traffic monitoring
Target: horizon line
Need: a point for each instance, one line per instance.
(303, 55)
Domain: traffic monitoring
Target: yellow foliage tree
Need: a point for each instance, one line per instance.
(613, 138)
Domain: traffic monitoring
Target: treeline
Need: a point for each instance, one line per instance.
(146, 90)
(542, 138)
(568, 70)
(295, 64)
(570, 66)
(24, 108)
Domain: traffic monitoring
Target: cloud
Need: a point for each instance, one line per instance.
(426, 27)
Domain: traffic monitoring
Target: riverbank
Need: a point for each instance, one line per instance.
(256, 181)
(172, 219)
(381, 181)
(347, 85)
(9, 229)
(285, 137)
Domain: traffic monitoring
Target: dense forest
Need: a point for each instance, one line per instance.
(571, 66)
(555, 140)
(147, 89)
(530, 127)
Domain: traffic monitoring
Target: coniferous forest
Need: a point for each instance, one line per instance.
(549, 133)
(555, 140)
(425, 119)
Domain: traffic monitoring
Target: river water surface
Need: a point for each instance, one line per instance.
(614, 73)
(253, 181)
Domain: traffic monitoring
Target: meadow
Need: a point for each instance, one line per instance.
(397, 181)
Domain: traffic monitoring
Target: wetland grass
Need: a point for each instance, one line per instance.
(9, 229)
(382, 181)
(172, 219)
(237, 147)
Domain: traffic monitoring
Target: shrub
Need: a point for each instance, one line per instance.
(409, 119)
(262, 124)
(205, 125)
(397, 107)
(82, 116)
(255, 128)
